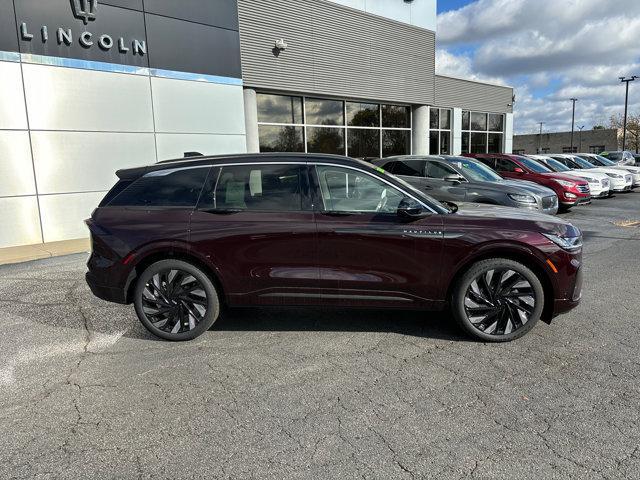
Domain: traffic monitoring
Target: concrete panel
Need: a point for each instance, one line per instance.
(20, 224)
(16, 169)
(456, 148)
(183, 106)
(63, 216)
(72, 99)
(85, 162)
(174, 145)
(12, 109)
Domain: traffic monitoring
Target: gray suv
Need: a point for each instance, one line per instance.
(461, 179)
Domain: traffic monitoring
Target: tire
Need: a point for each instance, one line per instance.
(176, 301)
(497, 308)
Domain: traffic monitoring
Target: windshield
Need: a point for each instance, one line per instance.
(476, 171)
(533, 165)
(583, 163)
(600, 160)
(556, 165)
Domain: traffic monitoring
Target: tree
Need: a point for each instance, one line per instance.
(633, 129)
(598, 127)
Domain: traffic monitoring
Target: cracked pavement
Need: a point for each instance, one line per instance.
(85, 391)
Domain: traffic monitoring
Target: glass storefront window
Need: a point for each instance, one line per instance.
(281, 138)
(434, 146)
(495, 143)
(321, 111)
(279, 109)
(466, 123)
(478, 121)
(434, 118)
(478, 142)
(445, 119)
(363, 114)
(325, 140)
(363, 143)
(482, 132)
(445, 148)
(317, 125)
(396, 116)
(396, 142)
(496, 122)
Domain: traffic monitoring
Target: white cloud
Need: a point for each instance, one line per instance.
(568, 48)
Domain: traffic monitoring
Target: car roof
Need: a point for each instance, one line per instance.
(212, 160)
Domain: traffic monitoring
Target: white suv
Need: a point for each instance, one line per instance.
(620, 181)
(599, 183)
(600, 161)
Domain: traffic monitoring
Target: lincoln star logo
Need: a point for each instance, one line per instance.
(84, 10)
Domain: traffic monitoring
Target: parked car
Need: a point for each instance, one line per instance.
(571, 191)
(180, 239)
(460, 179)
(621, 158)
(599, 183)
(620, 181)
(599, 161)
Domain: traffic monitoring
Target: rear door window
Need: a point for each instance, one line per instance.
(259, 187)
(503, 165)
(409, 168)
(178, 187)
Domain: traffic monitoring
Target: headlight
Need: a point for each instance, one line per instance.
(615, 175)
(565, 183)
(522, 198)
(567, 243)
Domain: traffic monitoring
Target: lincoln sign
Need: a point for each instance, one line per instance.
(85, 10)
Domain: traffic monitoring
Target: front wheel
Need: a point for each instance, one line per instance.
(498, 300)
(175, 300)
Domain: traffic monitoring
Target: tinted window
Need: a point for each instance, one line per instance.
(533, 165)
(496, 122)
(281, 138)
(325, 140)
(478, 121)
(478, 143)
(396, 116)
(279, 108)
(445, 119)
(434, 115)
(324, 112)
(396, 142)
(164, 188)
(409, 168)
(466, 122)
(439, 170)
(364, 143)
(363, 114)
(477, 171)
(346, 190)
(495, 142)
(256, 188)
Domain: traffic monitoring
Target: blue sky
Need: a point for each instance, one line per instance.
(549, 51)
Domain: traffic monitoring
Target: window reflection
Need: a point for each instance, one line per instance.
(363, 114)
(396, 142)
(274, 138)
(478, 121)
(478, 142)
(495, 142)
(279, 108)
(396, 116)
(325, 140)
(324, 112)
(496, 122)
(364, 143)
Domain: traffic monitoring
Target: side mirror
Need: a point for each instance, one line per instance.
(455, 179)
(518, 170)
(410, 209)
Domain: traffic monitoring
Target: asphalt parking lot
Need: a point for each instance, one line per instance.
(86, 392)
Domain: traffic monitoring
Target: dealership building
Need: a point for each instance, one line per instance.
(91, 86)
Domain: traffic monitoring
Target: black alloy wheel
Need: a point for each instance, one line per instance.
(175, 300)
(498, 300)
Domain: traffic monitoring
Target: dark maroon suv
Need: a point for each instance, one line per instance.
(180, 239)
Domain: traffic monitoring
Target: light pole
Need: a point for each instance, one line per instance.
(626, 105)
(573, 120)
(580, 141)
(540, 139)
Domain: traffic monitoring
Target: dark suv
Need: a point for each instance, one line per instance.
(182, 238)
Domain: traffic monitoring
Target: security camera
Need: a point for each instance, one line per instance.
(281, 44)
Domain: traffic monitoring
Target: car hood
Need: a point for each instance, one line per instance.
(517, 218)
(598, 175)
(562, 176)
(531, 187)
(607, 170)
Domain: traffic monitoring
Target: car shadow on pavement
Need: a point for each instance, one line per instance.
(438, 325)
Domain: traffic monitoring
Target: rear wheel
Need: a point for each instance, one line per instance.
(498, 300)
(175, 300)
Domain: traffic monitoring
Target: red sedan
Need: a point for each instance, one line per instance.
(571, 191)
